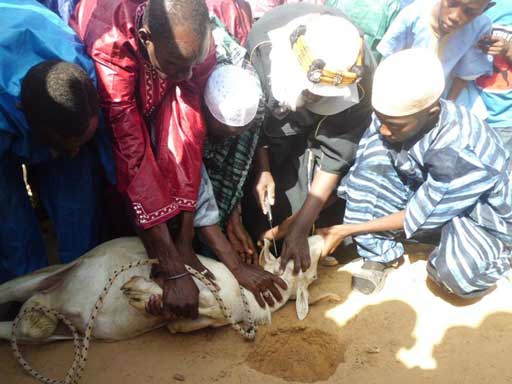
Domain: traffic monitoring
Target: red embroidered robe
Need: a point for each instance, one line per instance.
(157, 125)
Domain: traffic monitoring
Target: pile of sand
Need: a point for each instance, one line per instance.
(297, 353)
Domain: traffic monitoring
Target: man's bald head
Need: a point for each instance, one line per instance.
(176, 35)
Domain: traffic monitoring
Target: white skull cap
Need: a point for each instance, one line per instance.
(232, 94)
(407, 82)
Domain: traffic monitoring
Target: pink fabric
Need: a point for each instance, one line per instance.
(259, 7)
(235, 15)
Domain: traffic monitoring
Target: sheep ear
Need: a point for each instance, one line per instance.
(302, 301)
(266, 256)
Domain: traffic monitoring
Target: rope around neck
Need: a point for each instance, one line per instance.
(81, 347)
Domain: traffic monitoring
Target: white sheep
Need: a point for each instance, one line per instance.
(73, 289)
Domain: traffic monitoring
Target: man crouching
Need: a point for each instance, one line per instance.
(426, 164)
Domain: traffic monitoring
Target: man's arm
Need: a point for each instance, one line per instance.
(180, 294)
(334, 235)
(457, 86)
(508, 51)
(138, 176)
(338, 139)
(496, 46)
(136, 166)
(295, 245)
(253, 278)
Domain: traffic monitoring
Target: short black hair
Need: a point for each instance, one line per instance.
(59, 96)
(161, 14)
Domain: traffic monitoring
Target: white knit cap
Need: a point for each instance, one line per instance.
(407, 82)
(232, 94)
(330, 38)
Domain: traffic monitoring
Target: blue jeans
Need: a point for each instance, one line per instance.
(69, 190)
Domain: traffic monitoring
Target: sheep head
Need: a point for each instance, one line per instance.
(297, 285)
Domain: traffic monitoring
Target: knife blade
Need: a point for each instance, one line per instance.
(268, 208)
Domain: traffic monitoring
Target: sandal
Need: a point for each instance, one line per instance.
(371, 278)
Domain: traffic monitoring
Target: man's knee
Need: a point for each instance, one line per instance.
(467, 287)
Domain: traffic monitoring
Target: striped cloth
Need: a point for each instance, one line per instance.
(228, 163)
(455, 179)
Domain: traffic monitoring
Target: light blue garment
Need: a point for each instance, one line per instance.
(405, 3)
(31, 34)
(460, 56)
(497, 96)
(456, 179)
(207, 211)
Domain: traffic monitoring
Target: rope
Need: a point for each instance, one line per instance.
(248, 332)
(81, 348)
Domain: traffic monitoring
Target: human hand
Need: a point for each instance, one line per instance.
(264, 285)
(332, 236)
(296, 248)
(264, 188)
(180, 298)
(185, 248)
(279, 231)
(190, 258)
(494, 45)
(240, 239)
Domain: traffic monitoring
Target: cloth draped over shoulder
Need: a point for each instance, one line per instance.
(40, 35)
(157, 125)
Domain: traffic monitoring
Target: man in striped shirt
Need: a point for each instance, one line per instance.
(427, 166)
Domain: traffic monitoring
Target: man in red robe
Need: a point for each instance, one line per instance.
(152, 59)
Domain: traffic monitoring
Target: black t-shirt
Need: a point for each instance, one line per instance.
(333, 139)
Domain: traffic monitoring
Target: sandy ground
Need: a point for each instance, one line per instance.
(410, 332)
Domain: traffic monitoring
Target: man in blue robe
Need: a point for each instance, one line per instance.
(49, 112)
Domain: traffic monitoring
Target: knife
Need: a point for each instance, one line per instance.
(270, 223)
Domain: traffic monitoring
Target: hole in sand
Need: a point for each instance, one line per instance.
(297, 353)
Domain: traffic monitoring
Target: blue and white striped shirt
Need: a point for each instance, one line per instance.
(458, 168)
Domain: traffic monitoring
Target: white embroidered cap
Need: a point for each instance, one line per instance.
(232, 94)
(407, 82)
